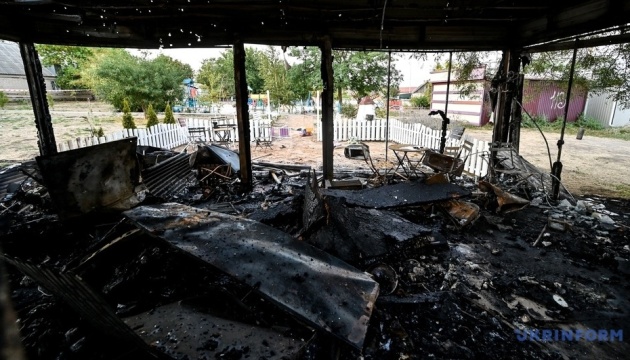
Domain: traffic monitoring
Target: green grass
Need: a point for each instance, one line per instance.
(591, 126)
(623, 191)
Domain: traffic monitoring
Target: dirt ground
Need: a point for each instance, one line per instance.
(592, 165)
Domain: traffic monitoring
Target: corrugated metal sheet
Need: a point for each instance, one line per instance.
(170, 177)
(548, 98)
(607, 111)
(600, 108)
(10, 176)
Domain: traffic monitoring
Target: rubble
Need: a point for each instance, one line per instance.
(407, 270)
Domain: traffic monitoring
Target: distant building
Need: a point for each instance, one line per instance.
(603, 108)
(473, 107)
(541, 98)
(12, 75)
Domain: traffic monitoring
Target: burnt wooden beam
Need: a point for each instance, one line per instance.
(327, 108)
(517, 114)
(242, 116)
(37, 89)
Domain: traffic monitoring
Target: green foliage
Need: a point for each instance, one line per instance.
(151, 116)
(599, 69)
(116, 75)
(127, 121)
(581, 122)
(275, 74)
(349, 111)
(362, 73)
(99, 132)
(217, 74)
(168, 114)
(4, 99)
(67, 60)
(588, 123)
(381, 113)
(420, 102)
(50, 100)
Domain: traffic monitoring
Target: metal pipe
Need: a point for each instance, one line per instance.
(445, 119)
(557, 166)
(389, 79)
(448, 81)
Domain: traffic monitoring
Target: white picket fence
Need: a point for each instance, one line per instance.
(169, 136)
(407, 133)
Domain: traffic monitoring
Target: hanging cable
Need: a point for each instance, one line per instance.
(382, 24)
(541, 133)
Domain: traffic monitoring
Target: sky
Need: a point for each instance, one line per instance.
(415, 72)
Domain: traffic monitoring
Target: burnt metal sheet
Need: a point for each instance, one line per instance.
(181, 331)
(88, 304)
(322, 290)
(10, 178)
(92, 178)
(221, 155)
(399, 195)
(506, 202)
(170, 177)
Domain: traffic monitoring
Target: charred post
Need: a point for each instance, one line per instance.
(327, 109)
(242, 115)
(37, 89)
(557, 166)
(517, 114)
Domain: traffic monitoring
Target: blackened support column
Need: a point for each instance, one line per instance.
(37, 89)
(327, 109)
(242, 116)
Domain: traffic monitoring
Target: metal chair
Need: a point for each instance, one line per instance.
(196, 136)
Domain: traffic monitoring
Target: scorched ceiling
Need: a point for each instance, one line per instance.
(356, 24)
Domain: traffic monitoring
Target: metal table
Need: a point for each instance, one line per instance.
(223, 133)
(409, 165)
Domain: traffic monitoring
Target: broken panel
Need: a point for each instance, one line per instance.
(399, 195)
(309, 283)
(169, 178)
(93, 178)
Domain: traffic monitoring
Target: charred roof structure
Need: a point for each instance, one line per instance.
(351, 24)
(170, 255)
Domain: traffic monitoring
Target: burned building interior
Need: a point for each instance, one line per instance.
(121, 251)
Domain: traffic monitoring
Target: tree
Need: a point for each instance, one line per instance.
(68, 61)
(168, 114)
(116, 75)
(151, 116)
(362, 73)
(599, 69)
(217, 74)
(275, 75)
(127, 121)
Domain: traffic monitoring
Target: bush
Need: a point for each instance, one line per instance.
(128, 122)
(588, 123)
(420, 102)
(151, 116)
(349, 111)
(168, 114)
(381, 113)
(4, 99)
(51, 101)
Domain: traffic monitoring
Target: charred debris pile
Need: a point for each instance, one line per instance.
(125, 252)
